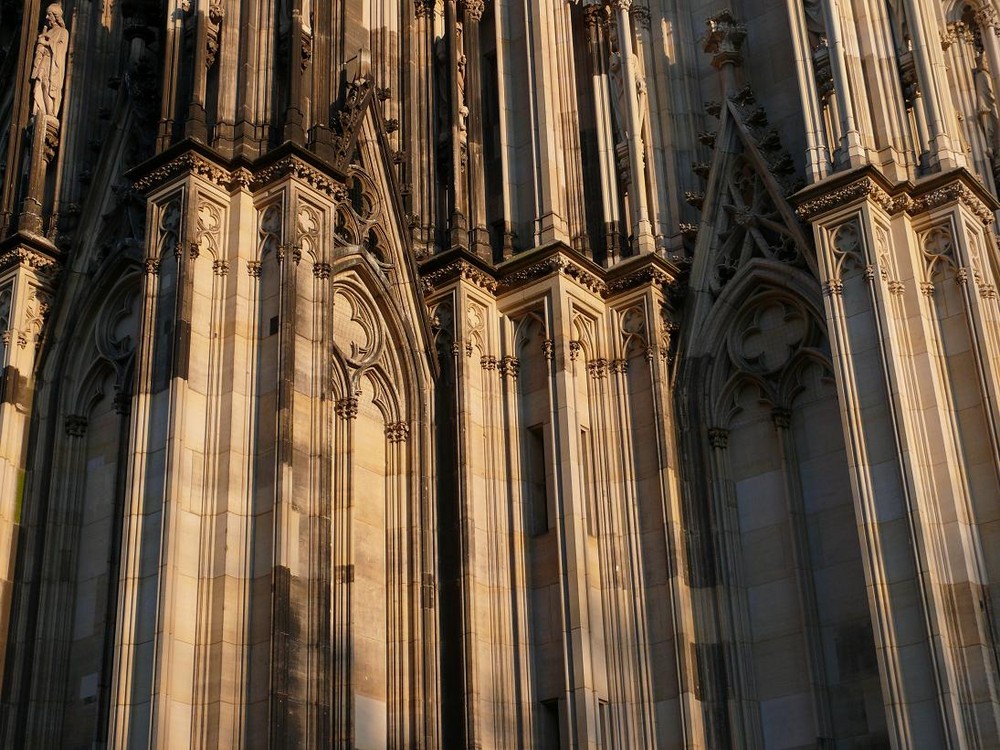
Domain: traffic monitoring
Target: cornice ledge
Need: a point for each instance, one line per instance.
(955, 186)
(183, 158)
(637, 272)
(548, 260)
(30, 251)
(927, 194)
(543, 262)
(843, 189)
(439, 270)
(191, 157)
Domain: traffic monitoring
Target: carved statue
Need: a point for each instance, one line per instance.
(618, 101)
(986, 103)
(48, 72)
(900, 26)
(815, 23)
(441, 95)
(463, 108)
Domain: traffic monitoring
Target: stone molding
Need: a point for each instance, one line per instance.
(23, 256)
(913, 199)
(326, 179)
(605, 283)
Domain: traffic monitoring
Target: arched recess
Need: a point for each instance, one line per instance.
(644, 411)
(73, 510)
(784, 545)
(382, 524)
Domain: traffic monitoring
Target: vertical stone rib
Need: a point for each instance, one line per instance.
(287, 707)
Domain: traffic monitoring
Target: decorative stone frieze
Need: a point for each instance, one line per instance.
(866, 187)
(458, 270)
(27, 257)
(914, 200)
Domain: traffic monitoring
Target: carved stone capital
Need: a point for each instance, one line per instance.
(123, 402)
(397, 432)
(986, 17)
(593, 16)
(509, 366)
(597, 368)
(833, 288)
(719, 438)
(641, 17)
(76, 425)
(782, 418)
(347, 408)
(474, 9)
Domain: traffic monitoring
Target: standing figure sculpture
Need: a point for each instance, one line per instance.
(619, 101)
(48, 72)
(986, 105)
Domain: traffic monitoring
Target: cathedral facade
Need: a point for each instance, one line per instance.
(499, 374)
